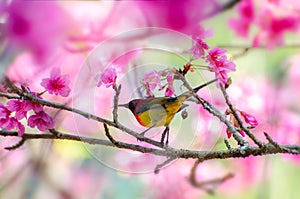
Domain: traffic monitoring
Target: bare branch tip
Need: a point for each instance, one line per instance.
(19, 144)
(227, 144)
(160, 166)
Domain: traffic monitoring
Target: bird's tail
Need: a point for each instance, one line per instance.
(203, 85)
(189, 94)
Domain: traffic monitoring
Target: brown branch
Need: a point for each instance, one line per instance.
(292, 151)
(116, 103)
(167, 151)
(159, 166)
(227, 144)
(208, 185)
(211, 109)
(238, 119)
(19, 144)
(133, 147)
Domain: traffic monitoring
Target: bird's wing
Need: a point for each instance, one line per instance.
(156, 103)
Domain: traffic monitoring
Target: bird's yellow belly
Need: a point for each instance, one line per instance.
(159, 116)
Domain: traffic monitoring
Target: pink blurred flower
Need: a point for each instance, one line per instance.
(249, 119)
(122, 62)
(108, 77)
(57, 84)
(37, 26)
(170, 89)
(219, 64)
(151, 80)
(41, 120)
(273, 27)
(242, 133)
(198, 49)
(229, 133)
(182, 16)
(20, 107)
(246, 11)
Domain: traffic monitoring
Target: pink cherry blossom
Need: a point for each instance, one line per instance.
(274, 26)
(242, 24)
(28, 27)
(219, 64)
(249, 119)
(11, 123)
(41, 120)
(199, 48)
(170, 89)
(151, 80)
(229, 133)
(108, 77)
(20, 107)
(57, 84)
(183, 16)
(36, 107)
(4, 112)
(242, 133)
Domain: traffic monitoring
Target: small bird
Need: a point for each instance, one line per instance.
(159, 111)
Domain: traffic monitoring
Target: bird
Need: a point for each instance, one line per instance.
(159, 111)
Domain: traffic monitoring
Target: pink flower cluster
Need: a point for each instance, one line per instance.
(249, 119)
(216, 59)
(16, 110)
(57, 84)
(28, 27)
(153, 79)
(199, 48)
(108, 77)
(273, 19)
(219, 64)
(242, 25)
(177, 15)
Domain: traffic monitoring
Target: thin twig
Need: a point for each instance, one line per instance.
(208, 185)
(159, 166)
(278, 145)
(116, 102)
(134, 147)
(227, 144)
(238, 119)
(207, 106)
(19, 144)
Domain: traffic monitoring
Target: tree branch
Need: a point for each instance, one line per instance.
(238, 119)
(167, 151)
(208, 185)
(211, 109)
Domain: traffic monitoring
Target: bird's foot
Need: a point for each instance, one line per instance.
(165, 134)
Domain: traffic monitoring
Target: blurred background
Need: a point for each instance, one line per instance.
(83, 37)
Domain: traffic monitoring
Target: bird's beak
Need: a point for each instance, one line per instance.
(124, 105)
